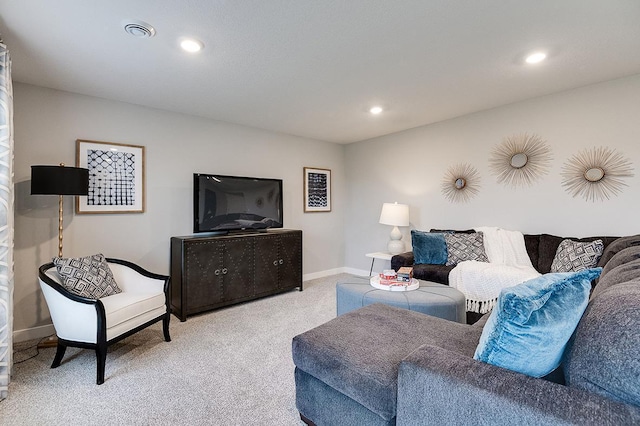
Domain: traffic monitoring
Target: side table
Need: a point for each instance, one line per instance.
(378, 255)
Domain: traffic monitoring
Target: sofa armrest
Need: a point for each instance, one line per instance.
(438, 386)
(402, 259)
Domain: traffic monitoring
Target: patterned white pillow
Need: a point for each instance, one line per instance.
(574, 256)
(462, 247)
(88, 276)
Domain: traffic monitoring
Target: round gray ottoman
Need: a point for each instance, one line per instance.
(431, 298)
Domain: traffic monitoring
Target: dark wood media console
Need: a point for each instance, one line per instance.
(209, 272)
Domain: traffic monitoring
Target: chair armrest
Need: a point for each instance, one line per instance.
(402, 259)
(74, 317)
(133, 278)
(445, 387)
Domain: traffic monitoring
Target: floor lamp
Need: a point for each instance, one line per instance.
(60, 181)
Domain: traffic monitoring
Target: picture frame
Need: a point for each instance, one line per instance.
(317, 190)
(116, 177)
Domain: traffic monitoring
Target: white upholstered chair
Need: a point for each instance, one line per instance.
(96, 324)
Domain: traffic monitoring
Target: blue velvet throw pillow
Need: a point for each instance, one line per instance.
(531, 324)
(428, 248)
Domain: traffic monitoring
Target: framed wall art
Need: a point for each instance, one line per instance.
(317, 190)
(116, 177)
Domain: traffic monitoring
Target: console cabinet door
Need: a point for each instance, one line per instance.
(237, 271)
(290, 260)
(267, 263)
(203, 264)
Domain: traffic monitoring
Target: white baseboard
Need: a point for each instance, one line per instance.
(322, 274)
(358, 272)
(33, 333)
(335, 271)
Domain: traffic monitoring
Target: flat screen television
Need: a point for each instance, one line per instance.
(231, 203)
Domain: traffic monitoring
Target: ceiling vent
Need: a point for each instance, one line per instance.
(139, 29)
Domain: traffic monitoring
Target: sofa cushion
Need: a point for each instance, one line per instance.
(626, 255)
(435, 273)
(87, 276)
(122, 307)
(428, 247)
(359, 353)
(574, 256)
(454, 231)
(603, 356)
(461, 247)
(616, 246)
(622, 273)
(532, 322)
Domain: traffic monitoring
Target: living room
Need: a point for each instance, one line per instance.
(405, 166)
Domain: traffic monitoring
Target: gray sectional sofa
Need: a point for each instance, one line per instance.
(381, 365)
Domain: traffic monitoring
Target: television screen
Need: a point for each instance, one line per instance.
(227, 203)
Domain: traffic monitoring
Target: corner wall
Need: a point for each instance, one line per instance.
(408, 167)
(47, 124)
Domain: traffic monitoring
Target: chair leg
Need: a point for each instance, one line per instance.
(59, 354)
(101, 356)
(165, 326)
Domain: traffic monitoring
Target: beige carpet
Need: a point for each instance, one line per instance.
(227, 367)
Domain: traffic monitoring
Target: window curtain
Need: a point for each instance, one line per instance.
(6, 220)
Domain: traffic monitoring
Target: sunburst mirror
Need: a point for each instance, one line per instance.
(460, 183)
(520, 159)
(596, 173)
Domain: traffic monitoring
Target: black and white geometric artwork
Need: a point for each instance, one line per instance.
(317, 190)
(111, 178)
(116, 177)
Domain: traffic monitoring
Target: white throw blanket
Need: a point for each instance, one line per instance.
(509, 265)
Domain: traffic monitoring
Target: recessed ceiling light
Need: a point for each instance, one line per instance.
(536, 57)
(191, 45)
(375, 110)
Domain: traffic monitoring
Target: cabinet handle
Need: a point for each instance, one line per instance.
(275, 263)
(217, 272)
(281, 261)
(224, 271)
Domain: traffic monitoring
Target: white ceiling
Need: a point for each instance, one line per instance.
(313, 68)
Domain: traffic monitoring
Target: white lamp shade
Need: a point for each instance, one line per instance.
(394, 214)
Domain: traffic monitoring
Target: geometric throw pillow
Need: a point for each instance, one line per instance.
(428, 248)
(531, 324)
(462, 247)
(574, 256)
(87, 276)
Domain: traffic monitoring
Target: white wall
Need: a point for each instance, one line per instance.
(47, 124)
(408, 167)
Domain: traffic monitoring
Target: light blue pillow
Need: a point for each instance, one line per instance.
(428, 248)
(529, 327)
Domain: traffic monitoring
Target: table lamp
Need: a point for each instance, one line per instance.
(395, 214)
(60, 181)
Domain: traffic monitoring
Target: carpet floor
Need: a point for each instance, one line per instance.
(231, 366)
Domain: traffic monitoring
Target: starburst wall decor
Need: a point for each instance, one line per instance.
(596, 173)
(520, 159)
(461, 182)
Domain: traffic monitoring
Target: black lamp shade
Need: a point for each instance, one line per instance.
(59, 180)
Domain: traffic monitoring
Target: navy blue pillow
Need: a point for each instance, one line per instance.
(428, 248)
